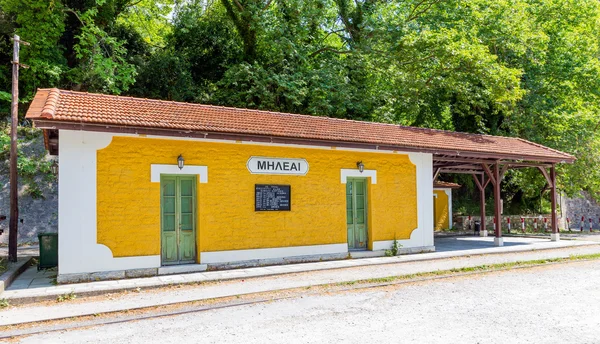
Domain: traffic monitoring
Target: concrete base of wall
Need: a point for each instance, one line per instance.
(413, 250)
(105, 275)
(367, 254)
(182, 269)
(277, 261)
(315, 258)
(189, 268)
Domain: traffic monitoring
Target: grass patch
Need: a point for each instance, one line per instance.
(66, 297)
(479, 268)
(4, 303)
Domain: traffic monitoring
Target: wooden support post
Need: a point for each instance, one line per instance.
(481, 186)
(14, 206)
(13, 179)
(498, 240)
(555, 236)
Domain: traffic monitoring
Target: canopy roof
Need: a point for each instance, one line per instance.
(445, 185)
(54, 109)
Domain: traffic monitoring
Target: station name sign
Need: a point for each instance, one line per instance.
(285, 166)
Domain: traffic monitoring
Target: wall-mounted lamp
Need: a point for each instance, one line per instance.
(360, 166)
(180, 161)
(54, 167)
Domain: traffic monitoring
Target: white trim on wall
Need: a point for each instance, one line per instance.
(345, 173)
(79, 251)
(423, 235)
(270, 253)
(157, 169)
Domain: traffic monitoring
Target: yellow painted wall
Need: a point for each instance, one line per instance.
(442, 218)
(128, 204)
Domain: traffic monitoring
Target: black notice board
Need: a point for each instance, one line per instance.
(272, 197)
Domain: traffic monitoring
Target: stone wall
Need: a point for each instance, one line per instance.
(36, 215)
(462, 222)
(585, 206)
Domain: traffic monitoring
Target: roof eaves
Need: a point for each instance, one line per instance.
(556, 151)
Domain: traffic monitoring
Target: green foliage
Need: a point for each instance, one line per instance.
(150, 19)
(74, 44)
(29, 168)
(394, 250)
(102, 64)
(66, 297)
(4, 303)
(4, 144)
(524, 68)
(32, 169)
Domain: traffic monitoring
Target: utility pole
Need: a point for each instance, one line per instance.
(14, 199)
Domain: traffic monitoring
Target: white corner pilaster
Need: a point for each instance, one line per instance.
(79, 251)
(423, 234)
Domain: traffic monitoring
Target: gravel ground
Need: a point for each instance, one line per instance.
(551, 304)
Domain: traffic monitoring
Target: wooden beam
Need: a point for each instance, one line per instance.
(436, 173)
(483, 183)
(458, 164)
(477, 182)
(525, 164)
(487, 170)
(464, 160)
(503, 171)
(548, 178)
(458, 171)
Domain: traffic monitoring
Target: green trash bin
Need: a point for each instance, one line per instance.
(48, 250)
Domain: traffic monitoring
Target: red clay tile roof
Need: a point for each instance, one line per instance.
(56, 105)
(440, 184)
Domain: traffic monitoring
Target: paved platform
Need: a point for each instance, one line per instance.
(253, 280)
(511, 243)
(36, 285)
(32, 279)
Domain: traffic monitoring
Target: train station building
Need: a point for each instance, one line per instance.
(151, 187)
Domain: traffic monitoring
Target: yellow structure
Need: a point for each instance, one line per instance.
(128, 202)
(149, 187)
(441, 206)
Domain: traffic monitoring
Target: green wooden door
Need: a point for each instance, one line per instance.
(178, 227)
(356, 213)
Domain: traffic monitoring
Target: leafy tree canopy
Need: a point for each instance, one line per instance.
(526, 68)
